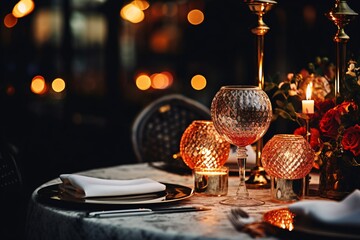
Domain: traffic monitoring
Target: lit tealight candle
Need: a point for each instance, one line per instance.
(308, 105)
(212, 182)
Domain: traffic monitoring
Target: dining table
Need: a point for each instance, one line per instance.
(56, 218)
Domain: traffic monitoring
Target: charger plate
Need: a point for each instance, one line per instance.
(172, 193)
(285, 220)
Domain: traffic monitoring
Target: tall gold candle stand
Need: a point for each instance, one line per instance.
(258, 178)
(341, 15)
(306, 179)
(308, 109)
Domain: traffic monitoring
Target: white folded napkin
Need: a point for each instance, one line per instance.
(345, 213)
(82, 186)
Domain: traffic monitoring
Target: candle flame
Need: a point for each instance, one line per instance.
(308, 91)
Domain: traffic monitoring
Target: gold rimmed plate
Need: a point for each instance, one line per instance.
(172, 193)
(291, 225)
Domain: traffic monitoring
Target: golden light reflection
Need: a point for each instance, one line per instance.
(23, 8)
(58, 85)
(198, 82)
(143, 82)
(159, 81)
(142, 5)
(10, 21)
(132, 13)
(38, 85)
(195, 17)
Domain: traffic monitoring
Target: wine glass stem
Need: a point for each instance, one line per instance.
(241, 158)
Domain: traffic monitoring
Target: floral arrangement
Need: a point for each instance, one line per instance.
(335, 124)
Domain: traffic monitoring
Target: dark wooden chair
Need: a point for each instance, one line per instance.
(157, 130)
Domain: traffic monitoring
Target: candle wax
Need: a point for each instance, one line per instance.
(308, 106)
(213, 182)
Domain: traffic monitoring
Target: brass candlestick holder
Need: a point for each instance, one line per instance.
(260, 7)
(306, 118)
(341, 15)
(258, 177)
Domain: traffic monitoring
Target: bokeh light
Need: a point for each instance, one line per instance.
(195, 17)
(23, 8)
(198, 82)
(159, 81)
(143, 82)
(10, 21)
(132, 13)
(58, 85)
(38, 85)
(141, 4)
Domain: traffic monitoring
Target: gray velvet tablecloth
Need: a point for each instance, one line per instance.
(48, 221)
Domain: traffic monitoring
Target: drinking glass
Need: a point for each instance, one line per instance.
(242, 115)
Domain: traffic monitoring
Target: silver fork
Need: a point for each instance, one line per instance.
(239, 218)
(243, 222)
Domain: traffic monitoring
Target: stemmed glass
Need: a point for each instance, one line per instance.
(242, 115)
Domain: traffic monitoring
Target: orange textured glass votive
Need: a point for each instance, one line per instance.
(287, 159)
(202, 147)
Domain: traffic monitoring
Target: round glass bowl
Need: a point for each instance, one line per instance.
(287, 156)
(202, 147)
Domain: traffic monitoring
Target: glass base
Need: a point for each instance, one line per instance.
(242, 202)
(287, 190)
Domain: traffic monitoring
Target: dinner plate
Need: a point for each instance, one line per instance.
(285, 220)
(172, 193)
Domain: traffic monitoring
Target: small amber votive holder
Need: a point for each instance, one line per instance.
(211, 181)
(201, 146)
(287, 190)
(287, 159)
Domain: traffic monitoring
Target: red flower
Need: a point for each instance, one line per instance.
(351, 139)
(314, 136)
(343, 108)
(324, 106)
(321, 107)
(330, 123)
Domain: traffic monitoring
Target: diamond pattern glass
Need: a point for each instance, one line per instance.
(201, 146)
(242, 115)
(287, 156)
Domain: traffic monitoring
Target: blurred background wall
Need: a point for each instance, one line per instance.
(74, 73)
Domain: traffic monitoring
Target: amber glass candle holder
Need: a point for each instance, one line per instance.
(211, 182)
(287, 159)
(202, 147)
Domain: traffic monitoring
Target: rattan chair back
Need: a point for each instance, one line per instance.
(10, 176)
(157, 129)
